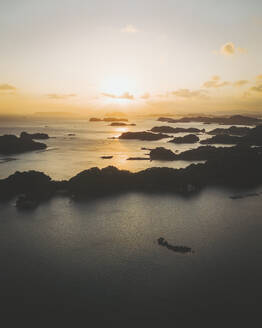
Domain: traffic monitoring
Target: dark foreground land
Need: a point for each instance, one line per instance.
(235, 166)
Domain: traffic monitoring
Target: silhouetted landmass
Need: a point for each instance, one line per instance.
(26, 202)
(239, 167)
(145, 148)
(121, 124)
(106, 157)
(252, 194)
(201, 153)
(222, 139)
(188, 139)
(232, 120)
(162, 154)
(115, 119)
(233, 130)
(11, 144)
(95, 119)
(175, 248)
(138, 159)
(170, 129)
(253, 137)
(148, 136)
(108, 119)
(35, 185)
(34, 135)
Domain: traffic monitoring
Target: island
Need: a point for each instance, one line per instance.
(11, 144)
(187, 139)
(201, 153)
(34, 135)
(238, 167)
(143, 136)
(108, 119)
(253, 137)
(233, 130)
(231, 120)
(175, 248)
(121, 124)
(170, 129)
(222, 139)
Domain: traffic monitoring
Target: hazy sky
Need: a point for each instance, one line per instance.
(163, 53)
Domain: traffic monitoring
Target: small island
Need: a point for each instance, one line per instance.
(108, 119)
(121, 124)
(187, 139)
(143, 136)
(36, 136)
(170, 129)
(233, 130)
(231, 120)
(253, 137)
(11, 144)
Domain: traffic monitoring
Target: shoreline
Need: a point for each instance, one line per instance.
(240, 169)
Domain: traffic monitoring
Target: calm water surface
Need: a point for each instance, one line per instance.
(68, 155)
(98, 261)
(95, 262)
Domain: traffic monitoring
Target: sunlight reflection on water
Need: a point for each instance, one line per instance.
(91, 141)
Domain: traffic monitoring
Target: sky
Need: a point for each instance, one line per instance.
(139, 55)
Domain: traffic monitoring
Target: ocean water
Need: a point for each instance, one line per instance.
(99, 262)
(68, 155)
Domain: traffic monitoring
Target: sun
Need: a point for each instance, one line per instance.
(117, 86)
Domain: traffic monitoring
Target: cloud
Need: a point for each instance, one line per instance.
(58, 96)
(145, 96)
(215, 83)
(216, 77)
(186, 93)
(256, 88)
(229, 49)
(125, 95)
(129, 29)
(7, 87)
(242, 50)
(240, 83)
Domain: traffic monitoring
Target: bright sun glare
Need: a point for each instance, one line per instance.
(117, 86)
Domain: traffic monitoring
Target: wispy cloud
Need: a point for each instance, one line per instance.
(58, 96)
(257, 88)
(129, 29)
(186, 93)
(216, 77)
(125, 95)
(240, 83)
(215, 83)
(230, 49)
(7, 87)
(145, 96)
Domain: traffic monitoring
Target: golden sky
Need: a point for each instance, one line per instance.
(139, 55)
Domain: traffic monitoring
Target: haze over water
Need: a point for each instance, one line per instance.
(96, 251)
(68, 155)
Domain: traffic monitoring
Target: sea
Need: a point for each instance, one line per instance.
(97, 263)
(76, 145)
